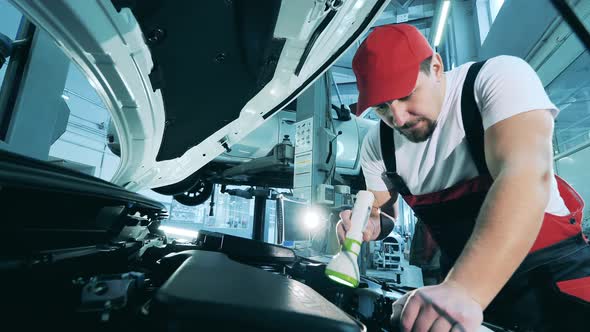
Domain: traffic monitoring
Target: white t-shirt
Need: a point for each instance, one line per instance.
(505, 86)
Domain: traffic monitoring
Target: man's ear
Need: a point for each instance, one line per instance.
(436, 66)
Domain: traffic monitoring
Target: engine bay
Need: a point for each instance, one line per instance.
(90, 255)
(220, 282)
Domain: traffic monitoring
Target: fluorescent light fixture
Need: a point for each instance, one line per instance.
(179, 231)
(442, 21)
(495, 6)
(65, 97)
(359, 4)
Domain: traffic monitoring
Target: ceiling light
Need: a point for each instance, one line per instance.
(442, 21)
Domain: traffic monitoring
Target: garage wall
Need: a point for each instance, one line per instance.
(461, 34)
(517, 28)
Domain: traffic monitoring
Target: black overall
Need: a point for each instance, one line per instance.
(550, 291)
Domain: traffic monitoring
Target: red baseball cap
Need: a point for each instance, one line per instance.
(387, 64)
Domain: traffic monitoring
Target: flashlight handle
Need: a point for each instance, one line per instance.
(360, 214)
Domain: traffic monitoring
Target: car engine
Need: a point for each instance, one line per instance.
(219, 282)
(83, 254)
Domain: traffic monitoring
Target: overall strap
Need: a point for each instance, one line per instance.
(387, 147)
(472, 122)
(391, 178)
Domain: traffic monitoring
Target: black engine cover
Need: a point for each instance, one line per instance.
(211, 291)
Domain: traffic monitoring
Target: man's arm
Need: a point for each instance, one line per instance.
(519, 156)
(383, 222)
(383, 202)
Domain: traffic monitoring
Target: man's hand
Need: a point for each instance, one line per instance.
(441, 308)
(370, 233)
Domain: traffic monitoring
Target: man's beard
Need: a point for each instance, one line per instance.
(417, 135)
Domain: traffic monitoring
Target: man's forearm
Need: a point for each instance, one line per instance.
(508, 224)
(386, 216)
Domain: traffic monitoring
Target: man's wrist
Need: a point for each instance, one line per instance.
(473, 290)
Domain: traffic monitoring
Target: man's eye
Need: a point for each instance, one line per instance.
(382, 109)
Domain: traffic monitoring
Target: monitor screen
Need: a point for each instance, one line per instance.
(291, 213)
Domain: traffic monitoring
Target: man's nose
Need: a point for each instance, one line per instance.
(400, 113)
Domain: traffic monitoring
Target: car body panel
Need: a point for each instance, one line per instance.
(109, 47)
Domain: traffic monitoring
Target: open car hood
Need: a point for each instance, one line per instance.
(184, 81)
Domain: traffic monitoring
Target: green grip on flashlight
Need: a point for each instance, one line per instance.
(348, 243)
